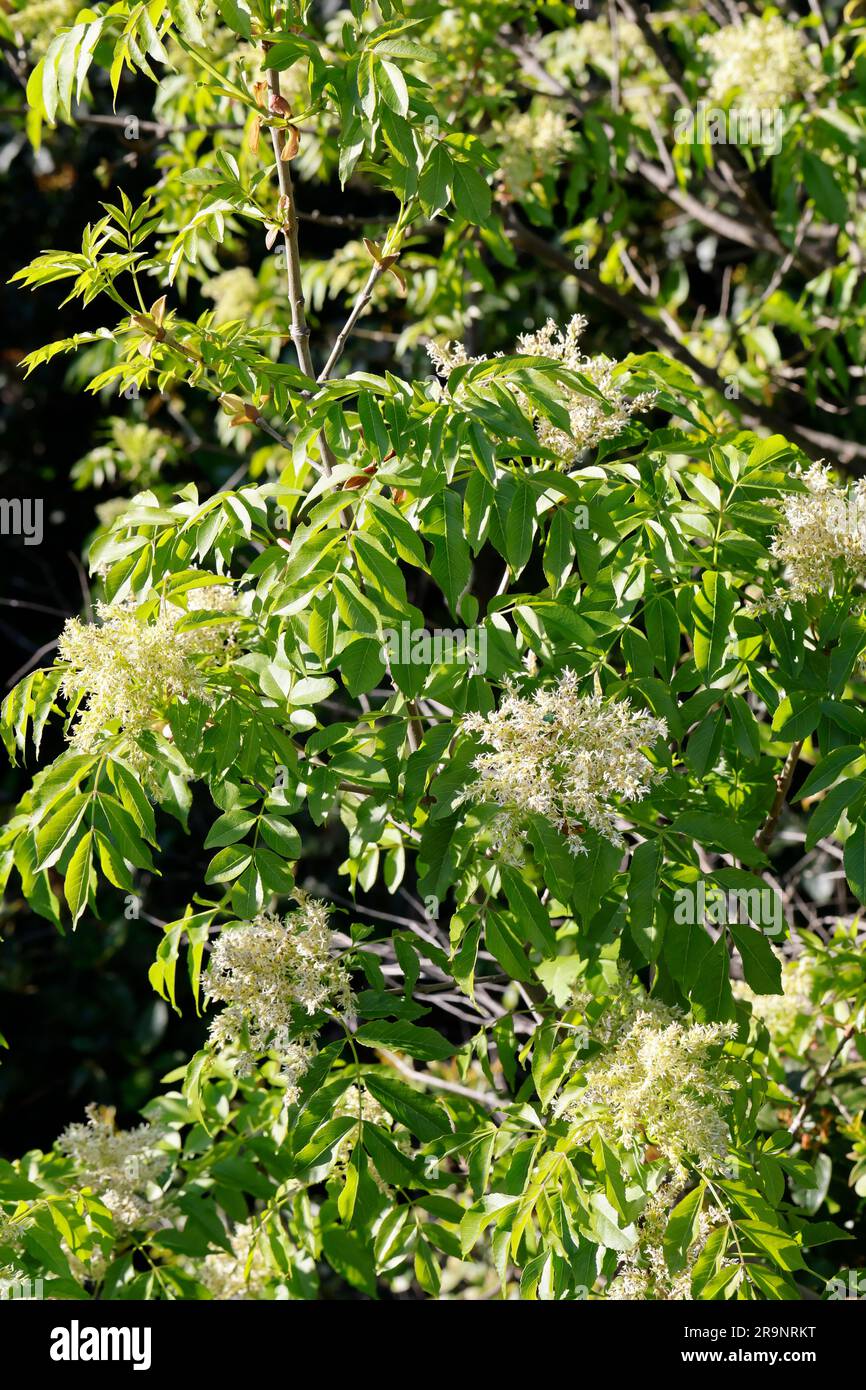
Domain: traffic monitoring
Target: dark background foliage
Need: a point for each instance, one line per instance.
(81, 1021)
(79, 1015)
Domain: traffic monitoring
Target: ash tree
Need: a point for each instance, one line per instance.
(547, 1067)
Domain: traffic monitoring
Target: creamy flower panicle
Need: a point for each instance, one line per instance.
(569, 757)
(244, 1273)
(589, 421)
(130, 671)
(234, 293)
(266, 970)
(117, 1164)
(643, 1273)
(762, 62)
(657, 1080)
(822, 528)
(39, 23)
(532, 144)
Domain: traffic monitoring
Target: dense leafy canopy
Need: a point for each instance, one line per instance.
(569, 647)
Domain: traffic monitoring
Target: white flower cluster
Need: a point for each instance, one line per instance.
(532, 144)
(657, 1081)
(565, 756)
(589, 422)
(244, 1274)
(360, 1105)
(10, 1233)
(643, 1272)
(762, 62)
(265, 970)
(18, 1284)
(129, 670)
(12, 1239)
(120, 1165)
(571, 54)
(821, 529)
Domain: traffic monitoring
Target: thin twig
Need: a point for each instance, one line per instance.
(820, 1079)
(121, 119)
(294, 283)
(378, 269)
(34, 607)
(83, 584)
(347, 220)
(490, 1102)
(764, 837)
(22, 670)
(616, 73)
(823, 32)
(297, 307)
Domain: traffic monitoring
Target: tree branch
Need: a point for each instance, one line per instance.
(294, 283)
(379, 268)
(729, 228)
(820, 1079)
(764, 837)
(815, 443)
(295, 289)
(490, 1102)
